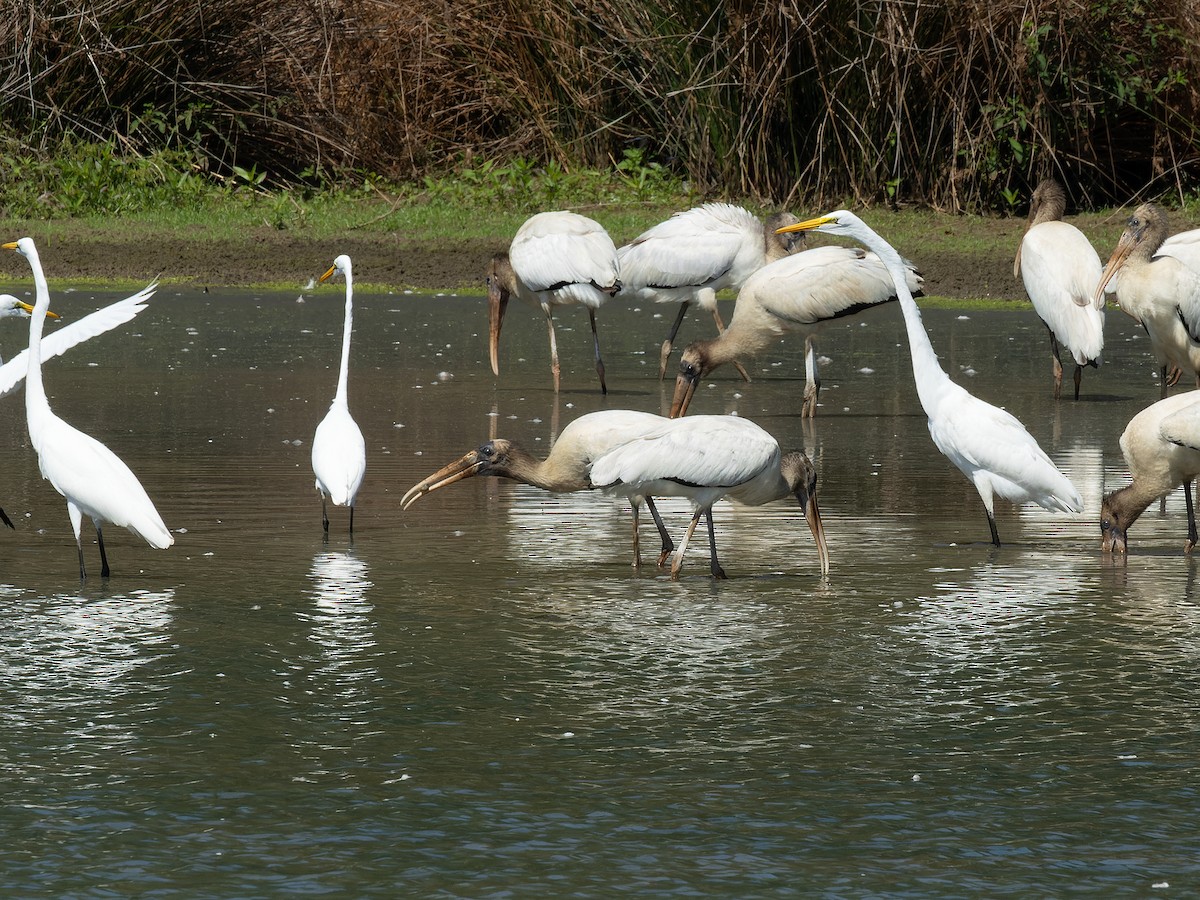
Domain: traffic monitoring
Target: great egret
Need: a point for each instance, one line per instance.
(1159, 291)
(1060, 269)
(555, 259)
(694, 254)
(91, 477)
(339, 453)
(1161, 445)
(796, 293)
(705, 459)
(990, 446)
(567, 469)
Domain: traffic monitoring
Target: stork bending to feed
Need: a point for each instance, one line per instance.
(639, 456)
(796, 293)
(1161, 445)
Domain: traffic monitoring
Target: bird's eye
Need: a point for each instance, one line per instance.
(1105, 524)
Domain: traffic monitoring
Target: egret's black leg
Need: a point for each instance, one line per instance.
(637, 540)
(992, 526)
(104, 571)
(6, 520)
(324, 515)
(82, 567)
(352, 520)
(1191, 514)
(1078, 379)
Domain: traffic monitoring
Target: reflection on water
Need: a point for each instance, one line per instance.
(481, 696)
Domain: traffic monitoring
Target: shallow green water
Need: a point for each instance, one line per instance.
(480, 697)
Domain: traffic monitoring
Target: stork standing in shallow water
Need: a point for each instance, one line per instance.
(639, 456)
(694, 254)
(1060, 268)
(796, 293)
(988, 445)
(555, 259)
(1161, 292)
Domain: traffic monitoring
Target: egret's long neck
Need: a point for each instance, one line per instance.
(927, 371)
(342, 395)
(35, 392)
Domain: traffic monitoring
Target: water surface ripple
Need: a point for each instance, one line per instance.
(481, 697)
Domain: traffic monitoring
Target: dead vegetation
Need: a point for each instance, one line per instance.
(958, 104)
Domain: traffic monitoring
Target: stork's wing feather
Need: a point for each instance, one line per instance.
(824, 283)
(63, 339)
(563, 248)
(691, 249)
(1185, 247)
(715, 451)
(1060, 270)
(1183, 427)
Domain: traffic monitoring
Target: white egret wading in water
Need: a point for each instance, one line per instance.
(990, 446)
(339, 454)
(694, 254)
(794, 294)
(1060, 268)
(91, 477)
(555, 259)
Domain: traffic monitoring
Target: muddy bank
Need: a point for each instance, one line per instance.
(270, 257)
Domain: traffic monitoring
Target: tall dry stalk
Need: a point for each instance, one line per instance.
(961, 104)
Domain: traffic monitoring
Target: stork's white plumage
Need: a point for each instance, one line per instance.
(707, 458)
(555, 259)
(339, 453)
(794, 294)
(1060, 269)
(694, 254)
(567, 469)
(988, 445)
(1161, 445)
(1162, 292)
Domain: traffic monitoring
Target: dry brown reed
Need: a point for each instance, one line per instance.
(960, 104)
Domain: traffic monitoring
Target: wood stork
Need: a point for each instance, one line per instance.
(796, 293)
(1060, 270)
(990, 446)
(567, 468)
(339, 453)
(555, 259)
(1161, 445)
(705, 459)
(694, 254)
(638, 456)
(1161, 292)
(91, 477)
